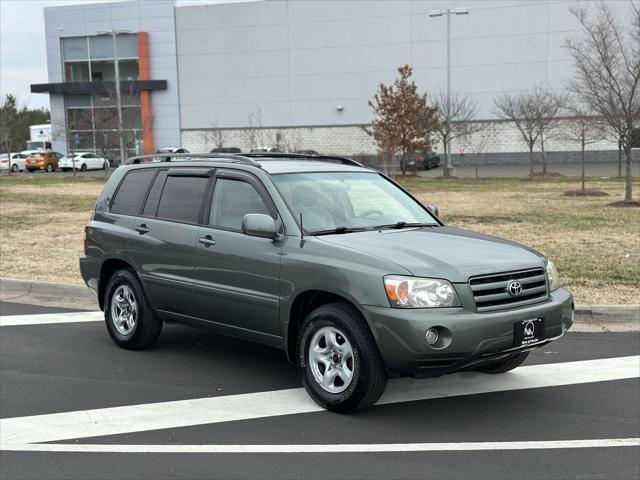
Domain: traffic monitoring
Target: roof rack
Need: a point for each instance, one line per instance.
(244, 158)
(302, 156)
(168, 157)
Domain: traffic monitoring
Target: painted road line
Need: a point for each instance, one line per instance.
(50, 318)
(201, 411)
(330, 448)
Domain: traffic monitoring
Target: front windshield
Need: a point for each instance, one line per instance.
(35, 145)
(348, 201)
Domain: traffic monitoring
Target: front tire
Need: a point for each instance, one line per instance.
(338, 359)
(14, 168)
(49, 168)
(130, 320)
(505, 365)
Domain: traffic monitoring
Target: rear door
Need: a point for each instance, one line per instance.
(163, 246)
(237, 276)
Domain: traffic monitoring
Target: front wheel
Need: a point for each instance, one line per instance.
(338, 360)
(504, 365)
(130, 320)
(14, 168)
(49, 168)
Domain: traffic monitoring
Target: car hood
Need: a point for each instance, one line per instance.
(441, 252)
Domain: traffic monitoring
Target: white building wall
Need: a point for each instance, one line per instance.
(157, 17)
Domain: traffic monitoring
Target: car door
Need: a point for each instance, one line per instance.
(237, 275)
(163, 247)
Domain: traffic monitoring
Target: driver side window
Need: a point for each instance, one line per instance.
(232, 200)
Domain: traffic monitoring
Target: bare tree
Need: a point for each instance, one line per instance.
(607, 61)
(534, 112)
(520, 109)
(582, 127)
(403, 120)
(219, 136)
(461, 110)
(474, 139)
(548, 105)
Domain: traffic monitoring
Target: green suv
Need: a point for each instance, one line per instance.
(331, 261)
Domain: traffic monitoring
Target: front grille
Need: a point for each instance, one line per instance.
(490, 291)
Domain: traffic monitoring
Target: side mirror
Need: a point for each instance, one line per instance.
(259, 225)
(433, 209)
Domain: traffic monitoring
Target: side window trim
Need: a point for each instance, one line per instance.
(148, 193)
(243, 177)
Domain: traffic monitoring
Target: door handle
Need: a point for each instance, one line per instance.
(141, 229)
(207, 241)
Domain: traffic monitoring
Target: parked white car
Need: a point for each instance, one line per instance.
(83, 161)
(13, 161)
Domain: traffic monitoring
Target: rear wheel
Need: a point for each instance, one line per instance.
(338, 359)
(14, 168)
(130, 320)
(83, 168)
(505, 365)
(30, 170)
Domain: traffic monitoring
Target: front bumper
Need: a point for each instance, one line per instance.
(475, 338)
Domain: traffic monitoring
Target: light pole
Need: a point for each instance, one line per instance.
(114, 34)
(438, 13)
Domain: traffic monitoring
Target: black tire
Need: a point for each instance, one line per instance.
(30, 170)
(505, 365)
(369, 375)
(14, 168)
(83, 167)
(49, 168)
(104, 165)
(147, 326)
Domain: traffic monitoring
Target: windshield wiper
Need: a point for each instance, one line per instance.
(337, 230)
(399, 225)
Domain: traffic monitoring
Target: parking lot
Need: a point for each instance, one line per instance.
(73, 405)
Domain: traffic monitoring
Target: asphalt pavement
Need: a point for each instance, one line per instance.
(199, 405)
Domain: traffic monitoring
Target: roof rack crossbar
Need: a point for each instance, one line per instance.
(168, 157)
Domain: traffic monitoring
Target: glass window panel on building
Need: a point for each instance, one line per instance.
(127, 45)
(131, 118)
(76, 72)
(105, 118)
(128, 69)
(101, 46)
(75, 48)
(78, 101)
(79, 119)
(103, 70)
(81, 141)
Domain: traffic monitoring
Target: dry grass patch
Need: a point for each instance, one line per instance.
(596, 246)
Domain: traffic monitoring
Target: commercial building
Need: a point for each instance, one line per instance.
(292, 74)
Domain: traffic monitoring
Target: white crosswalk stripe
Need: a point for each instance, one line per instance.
(17, 433)
(50, 318)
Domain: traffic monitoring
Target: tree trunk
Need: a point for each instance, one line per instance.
(629, 178)
(582, 160)
(477, 166)
(544, 156)
(619, 158)
(531, 160)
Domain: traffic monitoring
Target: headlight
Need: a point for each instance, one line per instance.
(416, 292)
(554, 277)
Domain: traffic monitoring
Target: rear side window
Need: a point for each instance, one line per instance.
(129, 196)
(182, 198)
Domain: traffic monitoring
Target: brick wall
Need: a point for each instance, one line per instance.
(499, 143)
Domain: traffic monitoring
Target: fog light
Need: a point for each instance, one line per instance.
(432, 336)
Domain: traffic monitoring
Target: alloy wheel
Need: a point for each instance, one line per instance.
(331, 359)
(124, 310)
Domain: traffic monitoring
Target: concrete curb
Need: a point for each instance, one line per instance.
(63, 293)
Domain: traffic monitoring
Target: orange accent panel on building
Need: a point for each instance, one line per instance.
(146, 110)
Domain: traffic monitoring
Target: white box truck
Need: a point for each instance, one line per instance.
(40, 137)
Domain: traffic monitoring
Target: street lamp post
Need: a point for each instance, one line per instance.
(448, 169)
(114, 34)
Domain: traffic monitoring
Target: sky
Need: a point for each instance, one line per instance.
(23, 58)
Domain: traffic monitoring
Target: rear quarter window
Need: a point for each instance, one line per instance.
(181, 198)
(130, 194)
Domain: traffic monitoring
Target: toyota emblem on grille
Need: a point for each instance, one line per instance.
(514, 288)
